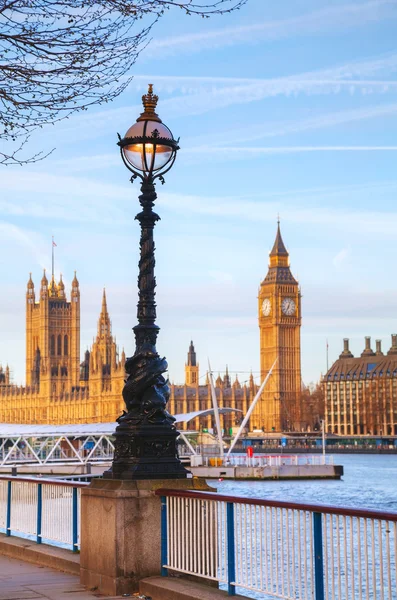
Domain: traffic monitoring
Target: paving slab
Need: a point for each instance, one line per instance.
(41, 554)
(178, 588)
(20, 580)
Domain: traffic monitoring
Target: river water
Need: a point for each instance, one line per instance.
(369, 481)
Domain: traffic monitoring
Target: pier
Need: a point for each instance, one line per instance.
(272, 466)
(89, 449)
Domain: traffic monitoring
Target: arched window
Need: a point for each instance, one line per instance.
(52, 345)
(65, 346)
(59, 345)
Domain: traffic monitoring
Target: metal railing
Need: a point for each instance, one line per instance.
(280, 460)
(280, 549)
(43, 510)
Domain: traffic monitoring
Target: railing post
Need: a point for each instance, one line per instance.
(74, 519)
(8, 517)
(318, 557)
(164, 540)
(231, 564)
(39, 512)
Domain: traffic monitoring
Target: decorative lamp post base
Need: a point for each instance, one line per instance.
(147, 452)
(145, 438)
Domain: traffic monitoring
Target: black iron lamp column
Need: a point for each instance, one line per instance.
(145, 438)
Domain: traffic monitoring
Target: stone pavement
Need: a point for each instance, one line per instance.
(25, 581)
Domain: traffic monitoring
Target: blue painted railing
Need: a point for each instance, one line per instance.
(281, 550)
(43, 510)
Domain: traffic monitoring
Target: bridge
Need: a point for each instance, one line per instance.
(44, 446)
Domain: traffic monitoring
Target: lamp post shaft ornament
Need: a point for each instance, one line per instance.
(145, 437)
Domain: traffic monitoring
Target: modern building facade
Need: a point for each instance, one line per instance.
(361, 392)
(60, 389)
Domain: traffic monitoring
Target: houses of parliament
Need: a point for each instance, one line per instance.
(62, 389)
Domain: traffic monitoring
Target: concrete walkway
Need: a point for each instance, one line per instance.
(25, 581)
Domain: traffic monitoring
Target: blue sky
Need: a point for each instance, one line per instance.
(282, 107)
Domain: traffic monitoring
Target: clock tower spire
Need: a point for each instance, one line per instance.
(279, 313)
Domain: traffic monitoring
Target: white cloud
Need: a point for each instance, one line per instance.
(295, 208)
(60, 197)
(31, 241)
(85, 199)
(198, 95)
(341, 258)
(332, 18)
(88, 163)
(268, 130)
(227, 153)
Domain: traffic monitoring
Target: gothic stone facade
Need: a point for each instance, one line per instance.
(60, 390)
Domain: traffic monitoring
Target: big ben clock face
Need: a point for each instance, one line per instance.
(266, 307)
(288, 307)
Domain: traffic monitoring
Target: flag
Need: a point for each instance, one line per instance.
(53, 243)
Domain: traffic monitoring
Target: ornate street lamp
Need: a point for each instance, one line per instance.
(145, 438)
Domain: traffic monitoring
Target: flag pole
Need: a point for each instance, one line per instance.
(52, 248)
(327, 353)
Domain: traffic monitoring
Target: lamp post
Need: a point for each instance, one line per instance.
(145, 438)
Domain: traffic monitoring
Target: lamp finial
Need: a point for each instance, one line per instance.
(150, 100)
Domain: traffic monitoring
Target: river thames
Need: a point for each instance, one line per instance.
(369, 481)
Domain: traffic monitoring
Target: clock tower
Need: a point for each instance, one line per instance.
(279, 310)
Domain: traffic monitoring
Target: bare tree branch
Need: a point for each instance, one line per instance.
(58, 57)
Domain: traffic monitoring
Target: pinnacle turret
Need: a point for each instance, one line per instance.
(30, 284)
(75, 289)
(104, 310)
(251, 381)
(279, 270)
(44, 286)
(104, 324)
(30, 290)
(191, 356)
(279, 248)
(237, 384)
(226, 379)
(61, 287)
(53, 289)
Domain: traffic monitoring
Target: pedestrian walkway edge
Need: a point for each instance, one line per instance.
(179, 588)
(40, 554)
